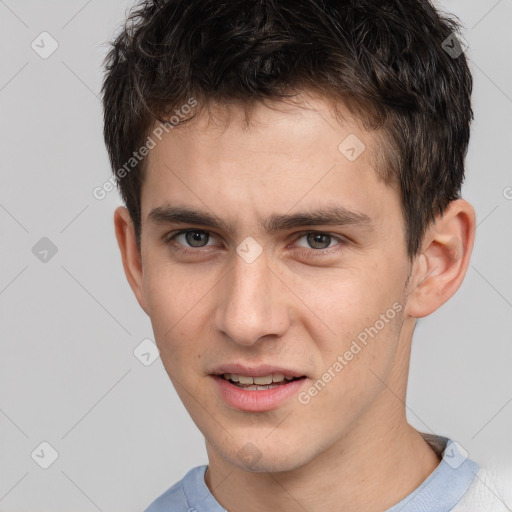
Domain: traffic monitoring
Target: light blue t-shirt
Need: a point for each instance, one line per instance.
(440, 492)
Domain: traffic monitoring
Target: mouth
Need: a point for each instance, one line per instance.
(261, 383)
(257, 389)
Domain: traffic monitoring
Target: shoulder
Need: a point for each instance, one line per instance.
(175, 498)
(491, 491)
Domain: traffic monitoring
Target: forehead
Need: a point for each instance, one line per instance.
(286, 157)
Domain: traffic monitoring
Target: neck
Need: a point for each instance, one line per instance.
(373, 475)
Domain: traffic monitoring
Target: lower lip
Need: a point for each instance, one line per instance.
(256, 400)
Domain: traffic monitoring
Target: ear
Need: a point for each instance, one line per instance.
(130, 254)
(440, 268)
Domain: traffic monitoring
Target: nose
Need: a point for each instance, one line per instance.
(253, 302)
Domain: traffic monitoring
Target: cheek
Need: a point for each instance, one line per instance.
(167, 301)
(162, 298)
(171, 292)
(363, 315)
(178, 302)
(354, 366)
(346, 304)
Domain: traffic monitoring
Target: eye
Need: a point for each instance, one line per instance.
(194, 238)
(319, 241)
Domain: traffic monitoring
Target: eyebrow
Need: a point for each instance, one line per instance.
(332, 216)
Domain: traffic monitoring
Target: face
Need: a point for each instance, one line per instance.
(293, 263)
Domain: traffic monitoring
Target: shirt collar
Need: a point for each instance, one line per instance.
(446, 485)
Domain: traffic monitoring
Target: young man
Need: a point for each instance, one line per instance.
(291, 172)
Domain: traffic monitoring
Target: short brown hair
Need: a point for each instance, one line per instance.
(387, 60)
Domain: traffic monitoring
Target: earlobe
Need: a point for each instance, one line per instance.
(130, 254)
(440, 268)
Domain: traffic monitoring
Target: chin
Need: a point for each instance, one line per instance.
(269, 459)
(268, 466)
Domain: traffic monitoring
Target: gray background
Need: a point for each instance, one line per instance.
(68, 375)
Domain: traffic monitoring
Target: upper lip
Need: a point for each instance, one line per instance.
(255, 371)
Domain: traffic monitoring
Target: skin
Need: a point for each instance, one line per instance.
(351, 444)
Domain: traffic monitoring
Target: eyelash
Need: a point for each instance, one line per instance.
(169, 240)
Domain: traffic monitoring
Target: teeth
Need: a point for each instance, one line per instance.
(260, 381)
